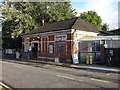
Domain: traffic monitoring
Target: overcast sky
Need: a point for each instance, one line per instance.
(106, 9)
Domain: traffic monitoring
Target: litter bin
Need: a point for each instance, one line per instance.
(91, 59)
(87, 59)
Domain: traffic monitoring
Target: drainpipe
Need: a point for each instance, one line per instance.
(73, 42)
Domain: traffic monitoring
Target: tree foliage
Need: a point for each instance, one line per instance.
(105, 27)
(16, 22)
(92, 17)
(12, 43)
(22, 17)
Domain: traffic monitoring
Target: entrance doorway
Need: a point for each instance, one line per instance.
(34, 50)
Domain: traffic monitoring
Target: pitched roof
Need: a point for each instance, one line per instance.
(75, 23)
(112, 32)
(116, 31)
(81, 24)
(105, 33)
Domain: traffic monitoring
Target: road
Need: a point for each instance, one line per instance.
(29, 75)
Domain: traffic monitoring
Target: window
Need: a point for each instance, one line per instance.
(89, 46)
(60, 48)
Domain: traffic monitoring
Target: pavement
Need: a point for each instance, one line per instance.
(95, 68)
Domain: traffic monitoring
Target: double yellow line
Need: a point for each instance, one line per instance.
(4, 87)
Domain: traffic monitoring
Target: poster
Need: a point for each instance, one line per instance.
(75, 58)
(10, 51)
(50, 48)
(17, 55)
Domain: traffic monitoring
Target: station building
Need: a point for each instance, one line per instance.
(57, 39)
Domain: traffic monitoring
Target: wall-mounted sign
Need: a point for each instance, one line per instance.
(61, 38)
(10, 51)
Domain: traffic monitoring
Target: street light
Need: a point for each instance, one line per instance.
(28, 38)
(101, 41)
(105, 45)
(38, 37)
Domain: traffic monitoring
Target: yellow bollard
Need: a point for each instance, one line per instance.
(91, 59)
(87, 59)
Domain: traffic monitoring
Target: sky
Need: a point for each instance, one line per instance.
(106, 9)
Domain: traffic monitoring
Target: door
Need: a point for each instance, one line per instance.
(34, 50)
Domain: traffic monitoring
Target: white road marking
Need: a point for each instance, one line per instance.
(68, 78)
(107, 74)
(99, 80)
(65, 77)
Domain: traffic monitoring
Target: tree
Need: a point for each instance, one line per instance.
(25, 16)
(16, 22)
(105, 27)
(92, 17)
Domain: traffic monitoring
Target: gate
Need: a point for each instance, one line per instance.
(112, 56)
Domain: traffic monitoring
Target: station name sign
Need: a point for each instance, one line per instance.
(60, 38)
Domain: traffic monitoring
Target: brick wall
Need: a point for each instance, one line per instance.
(45, 42)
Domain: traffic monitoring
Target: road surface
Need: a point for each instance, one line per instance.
(29, 75)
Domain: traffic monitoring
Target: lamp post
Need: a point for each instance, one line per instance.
(105, 50)
(102, 51)
(3, 50)
(105, 45)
